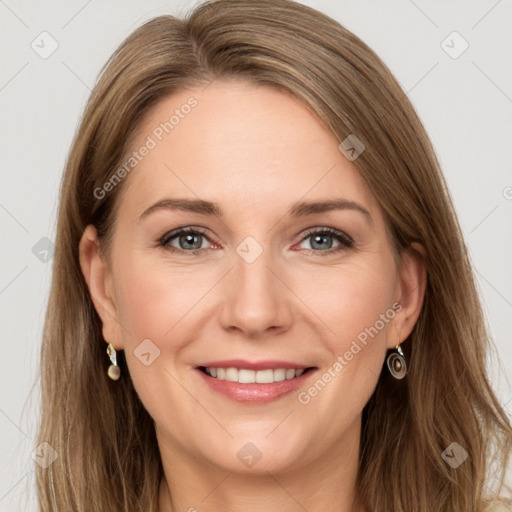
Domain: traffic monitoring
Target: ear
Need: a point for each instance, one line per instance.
(99, 281)
(410, 292)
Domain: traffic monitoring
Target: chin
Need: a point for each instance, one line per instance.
(256, 456)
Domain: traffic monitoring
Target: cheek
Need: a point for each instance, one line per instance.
(363, 299)
(351, 299)
(354, 303)
(155, 307)
(154, 298)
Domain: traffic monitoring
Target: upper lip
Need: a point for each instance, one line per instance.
(253, 365)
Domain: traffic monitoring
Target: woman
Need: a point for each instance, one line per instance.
(261, 298)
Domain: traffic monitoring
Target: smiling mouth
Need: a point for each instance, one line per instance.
(245, 376)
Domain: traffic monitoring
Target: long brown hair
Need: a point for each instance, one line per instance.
(108, 455)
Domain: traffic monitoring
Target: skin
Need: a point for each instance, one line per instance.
(256, 152)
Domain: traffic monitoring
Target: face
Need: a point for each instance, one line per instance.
(220, 259)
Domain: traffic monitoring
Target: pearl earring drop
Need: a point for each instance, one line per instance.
(114, 372)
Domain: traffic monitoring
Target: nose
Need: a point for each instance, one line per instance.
(256, 300)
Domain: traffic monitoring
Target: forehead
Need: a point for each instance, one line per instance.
(250, 148)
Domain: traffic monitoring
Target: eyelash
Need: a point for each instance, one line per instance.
(346, 242)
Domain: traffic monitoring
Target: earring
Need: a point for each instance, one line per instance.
(114, 372)
(396, 363)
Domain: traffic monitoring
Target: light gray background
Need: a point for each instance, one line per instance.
(465, 104)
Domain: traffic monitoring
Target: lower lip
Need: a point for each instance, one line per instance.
(255, 393)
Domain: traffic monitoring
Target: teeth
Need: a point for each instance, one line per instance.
(290, 374)
(265, 376)
(279, 374)
(244, 376)
(231, 374)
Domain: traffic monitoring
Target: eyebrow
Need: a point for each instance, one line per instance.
(300, 209)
